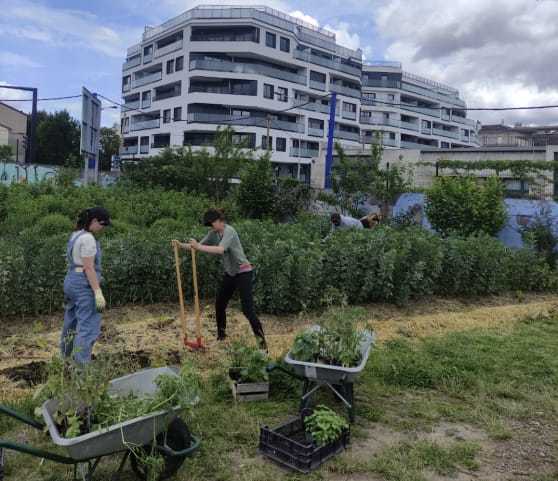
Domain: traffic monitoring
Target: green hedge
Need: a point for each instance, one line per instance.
(294, 269)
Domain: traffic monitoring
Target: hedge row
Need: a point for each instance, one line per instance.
(294, 269)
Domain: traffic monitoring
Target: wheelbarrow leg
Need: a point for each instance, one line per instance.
(118, 473)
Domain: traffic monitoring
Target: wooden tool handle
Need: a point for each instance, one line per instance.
(196, 297)
(179, 283)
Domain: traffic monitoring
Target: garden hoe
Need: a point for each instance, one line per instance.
(198, 343)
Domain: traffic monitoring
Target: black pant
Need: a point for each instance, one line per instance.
(243, 284)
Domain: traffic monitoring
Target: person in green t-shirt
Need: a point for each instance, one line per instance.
(222, 240)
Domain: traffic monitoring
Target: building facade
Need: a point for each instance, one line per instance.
(13, 128)
(500, 135)
(262, 71)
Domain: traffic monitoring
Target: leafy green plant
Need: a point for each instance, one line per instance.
(248, 364)
(539, 236)
(325, 425)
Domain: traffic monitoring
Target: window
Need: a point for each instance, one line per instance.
(391, 97)
(264, 142)
(170, 66)
(315, 124)
(166, 116)
(126, 83)
(282, 94)
(160, 141)
(285, 44)
(247, 141)
(270, 39)
(144, 145)
(225, 34)
(268, 91)
(179, 65)
(146, 99)
(281, 144)
(177, 113)
(147, 54)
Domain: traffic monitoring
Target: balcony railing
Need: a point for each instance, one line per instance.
(409, 126)
(326, 62)
(306, 153)
(171, 47)
(131, 63)
(432, 94)
(145, 104)
(144, 149)
(147, 58)
(131, 105)
(463, 120)
(312, 106)
(239, 67)
(223, 90)
(166, 95)
(147, 79)
(446, 117)
(130, 149)
(343, 134)
(348, 115)
(445, 133)
(391, 84)
(348, 91)
(426, 130)
(414, 145)
(432, 112)
(382, 121)
(315, 132)
(254, 121)
(317, 85)
(145, 124)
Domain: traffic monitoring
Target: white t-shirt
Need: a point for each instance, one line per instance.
(85, 246)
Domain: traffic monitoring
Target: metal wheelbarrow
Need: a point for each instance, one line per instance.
(172, 437)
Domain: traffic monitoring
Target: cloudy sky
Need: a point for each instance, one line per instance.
(497, 53)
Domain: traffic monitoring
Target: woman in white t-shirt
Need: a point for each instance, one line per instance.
(82, 286)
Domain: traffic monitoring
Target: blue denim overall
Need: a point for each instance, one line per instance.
(82, 322)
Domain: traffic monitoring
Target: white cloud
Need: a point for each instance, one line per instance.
(498, 54)
(305, 18)
(344, 37)
(14, 61)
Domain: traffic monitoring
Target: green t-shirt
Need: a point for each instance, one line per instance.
(234, 260)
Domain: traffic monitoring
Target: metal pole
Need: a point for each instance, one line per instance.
(299, 148)
(331, 133)
(17, 150)
(267, 138)
(33, 133)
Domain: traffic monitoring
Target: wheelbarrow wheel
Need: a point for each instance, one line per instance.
(177, 438)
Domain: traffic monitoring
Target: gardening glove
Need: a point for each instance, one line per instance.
(100, 302)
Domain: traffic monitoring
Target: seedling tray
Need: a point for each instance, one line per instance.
(329, 373)
(118, 437)
(290, 445)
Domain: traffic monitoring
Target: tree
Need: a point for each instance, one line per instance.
(200, 171)
(254, 194)
(292, 197)
(58, 136)
(465, 206)
(109, 145)
(5, 153)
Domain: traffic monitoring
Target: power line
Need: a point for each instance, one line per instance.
(40, 100)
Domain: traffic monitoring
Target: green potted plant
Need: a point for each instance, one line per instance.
(248, 374)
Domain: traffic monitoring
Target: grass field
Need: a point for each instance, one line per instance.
(454, 390)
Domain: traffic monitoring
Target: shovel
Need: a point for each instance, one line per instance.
(198, 343)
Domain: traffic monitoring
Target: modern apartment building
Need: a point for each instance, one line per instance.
(258, 69)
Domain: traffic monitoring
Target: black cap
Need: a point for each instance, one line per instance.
(101, 214)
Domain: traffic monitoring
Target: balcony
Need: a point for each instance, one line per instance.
(131, 63)
(317, 85)
(326, 62)
(426, 130)
(430, 111)
(382, 121)
(342, 134)
(315, 132)
(463, 120)
(145, 124)
(206, 118)
(306, 153)
(432, 94)
(348, 115)
(147, 58)
(131, 105)
(446, 117)
(126, 87)
(385, 142)
(409, 126)
(144, 149)
(348, 91)
(414, 145)
(130, 149)
(312, 106)
(145, 104)
(445, 133)
(147, 79)
(391, 84)
(218, 66)
(171, 47)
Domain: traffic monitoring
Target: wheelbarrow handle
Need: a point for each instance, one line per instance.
(272, 367)
(21, 417)
(39, 453)
(165, 450)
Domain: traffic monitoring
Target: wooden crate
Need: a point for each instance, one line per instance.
(244, 392)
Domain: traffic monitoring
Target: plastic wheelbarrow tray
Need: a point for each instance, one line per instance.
(113, 439)
(329, 373)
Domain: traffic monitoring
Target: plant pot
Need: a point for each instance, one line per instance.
(247, 391)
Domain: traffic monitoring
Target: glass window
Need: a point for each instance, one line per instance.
(146, 99)
(177, 113)
(264, 142)
(281, 144)
(270, 39)
(268, 91)
(179, 65)
(170, 66)
(282, 94)
(166, 116)
(285, 44)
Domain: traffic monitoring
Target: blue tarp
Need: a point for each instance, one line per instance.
(520, 213)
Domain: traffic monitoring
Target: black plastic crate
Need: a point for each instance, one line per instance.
(289, 444)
